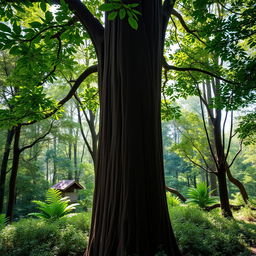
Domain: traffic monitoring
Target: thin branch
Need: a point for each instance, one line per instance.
(230, 135)
(82, 132)
(237, 153)
(223, 130)
(170, 67)
(193, 162)
(198, 150)
(37, 140)
(184, 25)
(205, 103)
(80, 79)
(56, 64)
(204, 123)
(72, 21)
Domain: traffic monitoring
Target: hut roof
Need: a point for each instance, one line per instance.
(65, 184)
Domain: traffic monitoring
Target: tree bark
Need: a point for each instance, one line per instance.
(177, 193)
(14, 172)
(130, 214)
(10, 134)
(240, 185)
(223, 191)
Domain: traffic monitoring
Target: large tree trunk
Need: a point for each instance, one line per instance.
(4, 165)
(130, 214)
(14, 172)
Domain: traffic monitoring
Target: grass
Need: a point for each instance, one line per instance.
(198, 233)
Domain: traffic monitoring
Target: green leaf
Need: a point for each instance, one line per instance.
(122, 13)
(16, 28)
(43, 6)
(106, 7)
(35, 24)
(15, 50)
(136, 12)
(112, 15)
(133, 23)
(133, 5)
(4, 28)
(48, 16)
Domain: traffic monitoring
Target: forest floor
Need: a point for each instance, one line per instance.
(198, 233)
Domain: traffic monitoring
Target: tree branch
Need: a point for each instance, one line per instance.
(184, 25)
(170, 67)
(237, 153)
(91, 23)
(167, 9)
(37, 140)
(80, 79)
(176, 192)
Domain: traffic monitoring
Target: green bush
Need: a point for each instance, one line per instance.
(31, 237)
(200, 233)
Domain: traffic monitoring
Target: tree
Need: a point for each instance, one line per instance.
(224, 50)
(136, 219)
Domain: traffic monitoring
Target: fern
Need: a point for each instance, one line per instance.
(54, 207)
(200, 196)
(3, 221)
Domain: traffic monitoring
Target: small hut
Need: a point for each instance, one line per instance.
(68, 188)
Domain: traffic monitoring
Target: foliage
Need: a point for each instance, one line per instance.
(36, 237)
(116, 8)
(3, 221)
(172, 200)
(247, 127)
(200, 195)
(201, 233)
(55, 206)
(198, 233)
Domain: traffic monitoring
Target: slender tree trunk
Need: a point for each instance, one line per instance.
(4, 165)
(70, 171)
(54, 174)
(14, 172)
(223, 191)
(75, 156)
(194, 180)
(47, 169)
(213, 184)
(130, 214)
(188, 181)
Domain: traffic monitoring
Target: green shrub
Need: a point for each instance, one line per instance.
(200, 196)
(55, 206)
(31, 237)
(200, 233)
(172, 200)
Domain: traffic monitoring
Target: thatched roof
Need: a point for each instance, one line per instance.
(65, 184)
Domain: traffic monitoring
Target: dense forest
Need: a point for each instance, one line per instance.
(147, 108)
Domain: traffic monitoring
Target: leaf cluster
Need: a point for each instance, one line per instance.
(116, 8)
(55, 206)
(200, 196)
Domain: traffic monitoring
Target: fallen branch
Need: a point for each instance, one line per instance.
(177, 193)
